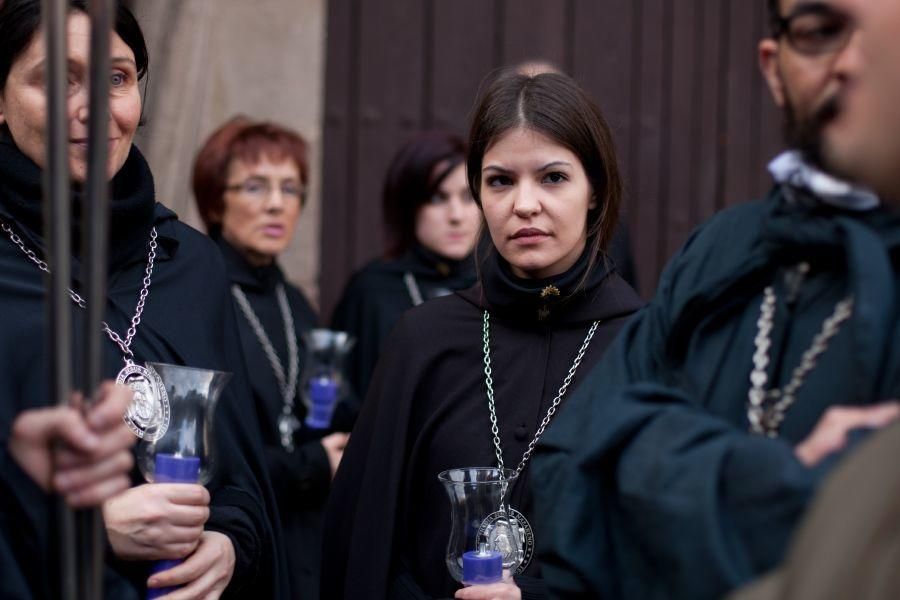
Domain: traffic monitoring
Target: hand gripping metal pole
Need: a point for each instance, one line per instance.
(57, 217)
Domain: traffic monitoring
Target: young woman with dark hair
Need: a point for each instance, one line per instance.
(167, 285)
(472, 379)
(250, 180)
(432, 226)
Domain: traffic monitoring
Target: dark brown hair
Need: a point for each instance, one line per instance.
(774, 13)
(411, 181)
(248, 141)
(21, 19)
(554, 105)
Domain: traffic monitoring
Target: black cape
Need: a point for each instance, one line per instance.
(301, 478)
(650, 482)
(376, 297)
(388, 519)
(188, 320)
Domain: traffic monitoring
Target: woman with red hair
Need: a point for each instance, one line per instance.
(250, 181)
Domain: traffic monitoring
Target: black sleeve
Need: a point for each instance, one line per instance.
(24, 515)
(243, 503)
(635, 474)
(362, 509)
(301, 478)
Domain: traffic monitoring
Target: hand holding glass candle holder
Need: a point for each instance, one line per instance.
(184, 453)
(323, 386)
(486, 536)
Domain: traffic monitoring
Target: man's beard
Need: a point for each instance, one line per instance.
(806, 134)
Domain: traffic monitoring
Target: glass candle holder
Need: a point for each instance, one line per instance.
(185, 451)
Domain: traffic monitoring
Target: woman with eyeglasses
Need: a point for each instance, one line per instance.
(250, 181)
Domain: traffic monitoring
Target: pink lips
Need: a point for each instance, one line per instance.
(273, 230)
(529, 235)
(82, 143)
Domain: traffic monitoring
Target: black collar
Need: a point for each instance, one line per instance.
(133, 210)
(573, 296)
(262, 279)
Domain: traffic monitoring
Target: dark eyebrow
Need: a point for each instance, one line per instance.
(495, 168)
(121, 59)
(812, 7)
(555, 163)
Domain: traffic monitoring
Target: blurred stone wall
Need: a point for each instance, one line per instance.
(212, 59)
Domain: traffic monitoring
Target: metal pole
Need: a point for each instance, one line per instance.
(56, 232)
(95, 220)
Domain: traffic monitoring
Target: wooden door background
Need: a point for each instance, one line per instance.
(677, 80)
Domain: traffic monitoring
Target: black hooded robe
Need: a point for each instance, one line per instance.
(188, 320)
(377, 296)
(650, 483)
(388, 520)
(302, 478)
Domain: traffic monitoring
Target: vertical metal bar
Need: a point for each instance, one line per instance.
(56, 232)
(95, 220)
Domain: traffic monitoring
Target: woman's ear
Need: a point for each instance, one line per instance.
(593, 203)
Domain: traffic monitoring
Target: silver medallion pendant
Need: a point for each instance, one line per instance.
(148, 414)
(287, 425)
(509, 533)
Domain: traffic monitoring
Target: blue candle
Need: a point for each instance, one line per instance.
(171, 468)
(323, 394)
(482, 566)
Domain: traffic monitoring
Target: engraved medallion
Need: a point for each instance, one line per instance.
(287, 425)
(148, 414)
(509, 533)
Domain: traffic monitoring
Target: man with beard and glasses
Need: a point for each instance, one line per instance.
(849, 543)
(683, 463)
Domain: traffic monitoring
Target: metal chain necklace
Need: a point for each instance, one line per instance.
(507, 530)
(148, 414)
(489, 384)
(412, 288)
(287, 422)
(766, 409)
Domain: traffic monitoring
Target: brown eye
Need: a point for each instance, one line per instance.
(555, 177)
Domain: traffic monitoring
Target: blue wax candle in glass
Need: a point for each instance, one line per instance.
(171, 468)
(482, 566)
(323, 396)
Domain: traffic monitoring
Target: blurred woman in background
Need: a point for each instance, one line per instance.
(250, 181)
(432, 224)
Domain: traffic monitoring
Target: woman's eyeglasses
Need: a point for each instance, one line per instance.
(815, 29)
(261, 189)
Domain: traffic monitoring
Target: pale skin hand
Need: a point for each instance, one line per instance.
(84, 457)
(505, 590)
(830, 433)
(334, 445)
(157, 520)
(206, 572)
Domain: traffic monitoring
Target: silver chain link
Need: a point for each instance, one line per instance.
(124, 345)
(489, 384)
(287, 382)
(767, 408)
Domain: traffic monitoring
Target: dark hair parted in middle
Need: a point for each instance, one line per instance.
(554, 105)
(248, 141)
(413, 177)
(21, 19)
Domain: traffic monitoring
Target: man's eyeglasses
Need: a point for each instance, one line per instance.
(815, 29)
(261, 189)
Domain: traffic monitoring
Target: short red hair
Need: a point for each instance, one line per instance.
(248, 141)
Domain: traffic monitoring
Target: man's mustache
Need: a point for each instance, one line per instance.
(826, 113)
